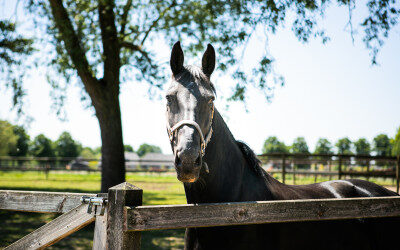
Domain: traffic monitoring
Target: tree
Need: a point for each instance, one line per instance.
(42, 147)
(343, 146)
(128, 148)
(147, 148)
(66, 146)
(87, 153)
(8, 140)
(22, 146)
(300, 146)
(323, 147)
(104, 42)
(273, 145)
(382, 146)
(362, 147)
(14, 49)
(396, 144)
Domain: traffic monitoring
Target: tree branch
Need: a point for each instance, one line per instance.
(124, 17)
(110, 41)
(139, 49)
(156, 21)
(72, 43)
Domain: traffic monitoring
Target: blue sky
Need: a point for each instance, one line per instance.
(331, 91)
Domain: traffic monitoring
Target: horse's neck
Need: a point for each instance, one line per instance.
(228, 170)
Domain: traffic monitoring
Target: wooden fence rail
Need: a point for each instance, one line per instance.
(120, 226)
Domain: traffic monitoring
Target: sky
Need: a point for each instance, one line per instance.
(331, 91)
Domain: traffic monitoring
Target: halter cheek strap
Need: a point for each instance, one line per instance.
(203, 141)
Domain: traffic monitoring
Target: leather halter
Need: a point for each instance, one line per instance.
(203, 140)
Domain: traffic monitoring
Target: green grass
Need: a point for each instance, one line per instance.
(158, 189)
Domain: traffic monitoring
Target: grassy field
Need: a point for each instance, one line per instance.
(158, 189)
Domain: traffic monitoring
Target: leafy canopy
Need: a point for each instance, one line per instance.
(362, 146)
(396, 144)
(23, 139)
(14, 48)
(299, 146)
(147, 148)
(42, 147)
(382, 145)
(8, 140)
(343, 146)
(66, 146)
(323, 146)
(229, 25)
(273, 145)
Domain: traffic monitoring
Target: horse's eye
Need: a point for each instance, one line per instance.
(169, 99)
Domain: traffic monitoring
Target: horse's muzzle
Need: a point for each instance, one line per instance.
(187, 169)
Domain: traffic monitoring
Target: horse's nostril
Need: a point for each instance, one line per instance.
(178, 161)
(198, 160)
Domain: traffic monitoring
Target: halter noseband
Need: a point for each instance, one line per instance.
(203, 140)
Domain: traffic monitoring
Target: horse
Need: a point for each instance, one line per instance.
(215, 168)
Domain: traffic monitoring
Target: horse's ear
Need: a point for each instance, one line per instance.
(177, 58)
(208, 61)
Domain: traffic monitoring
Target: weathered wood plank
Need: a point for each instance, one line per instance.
(205, 215)
(100, 232)
(100, 229)
(55, 230)
(124, 194)
(42, 202)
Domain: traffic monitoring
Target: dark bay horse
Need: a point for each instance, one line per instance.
(214, 167)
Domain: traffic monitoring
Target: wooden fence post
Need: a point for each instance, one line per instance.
(340, 167)
(368, 168)
(283, 168)
(294, 172)
(124, 194)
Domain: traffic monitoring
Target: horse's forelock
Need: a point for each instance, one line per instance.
(194, 74)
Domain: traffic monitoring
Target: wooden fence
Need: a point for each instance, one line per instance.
(335, 165)
(120, 217)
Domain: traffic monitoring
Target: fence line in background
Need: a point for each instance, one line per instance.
(121, 217)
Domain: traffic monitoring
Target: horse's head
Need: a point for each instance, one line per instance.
(190, 111)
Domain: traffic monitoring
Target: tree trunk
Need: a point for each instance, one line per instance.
(112, 150)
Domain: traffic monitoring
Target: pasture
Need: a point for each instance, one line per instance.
(158, 189)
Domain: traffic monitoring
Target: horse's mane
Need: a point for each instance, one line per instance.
(250, 157)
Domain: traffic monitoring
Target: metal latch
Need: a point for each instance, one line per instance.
(96, 202)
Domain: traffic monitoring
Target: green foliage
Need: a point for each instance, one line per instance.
(229, 25)
(87, 153)
(42, 147)
(66, 146)
(273, 145)
(147, 148)
(323, 146)
(14, 48)
(22, 146)
(299, 146)
(8, 140)
(362, 146)
(128, 148)
(343, 146)
(396, 144)
(382, 145)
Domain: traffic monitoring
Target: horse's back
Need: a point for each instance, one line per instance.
(351, 188)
